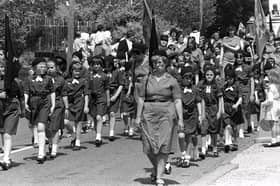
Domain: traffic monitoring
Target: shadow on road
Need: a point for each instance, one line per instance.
(147, 181)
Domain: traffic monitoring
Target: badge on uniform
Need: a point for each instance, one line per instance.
(239, 69)
(229, 89)
(187, 90)
(208, 89)
(75, 81)
(96, 76)
(38, 79)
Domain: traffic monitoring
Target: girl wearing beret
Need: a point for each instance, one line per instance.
(40, 101)
(75, 95)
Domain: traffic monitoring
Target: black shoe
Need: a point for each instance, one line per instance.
(210, 148)
(227, 148)
(41, 160)
(167, 168)
(1, 150)
(112, 138)
(52, 156)
(125, 133)
(72, 143)
(5, 166)
(98, 143)
(50, 148)
(76, 148)
(202, 155)
(249, 129)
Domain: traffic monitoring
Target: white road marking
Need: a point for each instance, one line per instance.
(19, 150)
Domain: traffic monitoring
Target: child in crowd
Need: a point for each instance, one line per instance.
(192, 116)
(40, 101)
(211, 96)
(76, 99)
(99, 95)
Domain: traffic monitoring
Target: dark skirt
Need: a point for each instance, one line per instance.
(9, 117)
(114, 106)
(159, 128)
(232, 116)
(128, 104)
(211, 124)
(76, 109)
(190, 123)
(40, 109)
(56, 120)
(97, 106)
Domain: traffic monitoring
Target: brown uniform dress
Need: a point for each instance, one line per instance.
(159, 114)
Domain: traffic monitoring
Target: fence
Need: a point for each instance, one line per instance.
(51, 34)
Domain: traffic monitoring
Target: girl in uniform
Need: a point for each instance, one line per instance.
(191, 115)
(99, 95)
(232, 116)
(127, 107)
(243, 76)
(115, 87)
(57, 118)
(11, 109)
(40, 101)
(75, 95)
(211, 96)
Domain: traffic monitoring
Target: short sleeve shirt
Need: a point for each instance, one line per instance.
(98, 84)
(210, 93)
(166, 88)
(39, 88)
(74, 89)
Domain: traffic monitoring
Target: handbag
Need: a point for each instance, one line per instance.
(266, 121)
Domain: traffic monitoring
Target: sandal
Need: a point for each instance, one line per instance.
(183, 162)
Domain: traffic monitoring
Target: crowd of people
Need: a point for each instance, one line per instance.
(192, 89)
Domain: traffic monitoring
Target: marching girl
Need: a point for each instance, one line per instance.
(192, 116)
(56, 122)
(40, 101)
(211, 96)
(259, 94)
(99, 95)
(188, 62)
(75, 96)
(273, 104)
(127, 107)
(11, 109)
(115, 87)
(243, 76)
(232, 115)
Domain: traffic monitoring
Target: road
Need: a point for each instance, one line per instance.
(115, 163)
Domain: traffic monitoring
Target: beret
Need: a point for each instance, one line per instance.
(38, 60)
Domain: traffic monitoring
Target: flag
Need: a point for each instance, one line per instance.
(270, 24)
(241, 28)
(12, 66)
(262, 35)
(147, 22)
(153, 40)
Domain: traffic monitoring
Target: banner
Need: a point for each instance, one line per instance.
(262, 34)
(147, 22)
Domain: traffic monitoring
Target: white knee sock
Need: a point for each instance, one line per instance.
(54, 149)
(41, 140)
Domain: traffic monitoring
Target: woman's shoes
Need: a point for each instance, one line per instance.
(202, 155)
(160, 182)
(52, 156)
(41, 160)
(111, 138)
(76, 148)
(168, 168)
(72, 143)
(234, 147)
(153, 178)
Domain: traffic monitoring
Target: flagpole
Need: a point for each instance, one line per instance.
(201, 13)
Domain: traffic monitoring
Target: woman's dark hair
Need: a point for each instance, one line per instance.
(179, 33)
(61, 63)
(193, 42)
(231, 28)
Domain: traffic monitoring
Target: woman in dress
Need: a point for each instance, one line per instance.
(160, 108)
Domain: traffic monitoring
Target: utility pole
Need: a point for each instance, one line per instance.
(70, 32)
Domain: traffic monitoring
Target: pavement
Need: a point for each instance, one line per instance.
(256, 166)
(121, 162)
